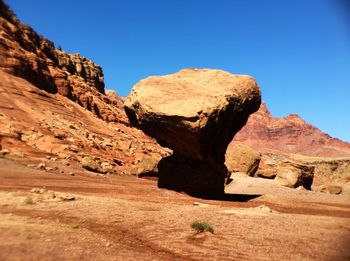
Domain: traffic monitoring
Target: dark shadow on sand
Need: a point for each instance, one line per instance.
(240, 197)
(226, 197)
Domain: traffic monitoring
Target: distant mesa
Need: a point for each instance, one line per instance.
(288, 135)
(196, 113)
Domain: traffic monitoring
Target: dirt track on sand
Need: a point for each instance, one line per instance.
(125, 218)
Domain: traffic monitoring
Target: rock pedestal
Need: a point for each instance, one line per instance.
(196, 113)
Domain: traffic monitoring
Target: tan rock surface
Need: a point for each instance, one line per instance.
(195, 112)
(242, 158)
(292, 174)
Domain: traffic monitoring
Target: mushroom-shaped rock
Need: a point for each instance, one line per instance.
(196, 113)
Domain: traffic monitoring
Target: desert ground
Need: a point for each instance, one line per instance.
(53, 216)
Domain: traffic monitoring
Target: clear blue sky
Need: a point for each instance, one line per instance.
(299, 51)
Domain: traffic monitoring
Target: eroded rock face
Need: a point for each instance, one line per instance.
(37, 120)
(26, 54)
(195, 112)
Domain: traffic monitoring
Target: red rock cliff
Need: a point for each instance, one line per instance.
(26, 54)
(290, 134)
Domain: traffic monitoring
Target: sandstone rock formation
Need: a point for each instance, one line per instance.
(293, 175)
(293, 139)
(54, 110)
(288, 135)
(241, 158)
(195, 112)
(26, 54)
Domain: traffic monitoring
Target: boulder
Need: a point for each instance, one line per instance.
(242, 158)
(147, 165)
(91, 164)
(268, 166)
(330, 189)
(293, 175)
(196, 113)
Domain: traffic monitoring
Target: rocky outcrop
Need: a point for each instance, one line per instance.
(195, 112)
(333, 169)
(76, 65)
(26, 54)
(293, 175)
(46, 100)
(241, 158)
(290, 134)
(115, 99)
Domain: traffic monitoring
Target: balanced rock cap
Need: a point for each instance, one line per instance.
(195, 112)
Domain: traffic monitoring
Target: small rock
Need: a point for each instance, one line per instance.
(17, 153)
(106, 166)
(3, 152)
(42, 190)
(330, 189)
(41, 165)
(35, 190)
(60, 135)
(91, 164)
(146, 165)
(66, 197)
(73, 127)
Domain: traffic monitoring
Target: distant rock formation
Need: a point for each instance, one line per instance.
(289, 135)
(195, 112)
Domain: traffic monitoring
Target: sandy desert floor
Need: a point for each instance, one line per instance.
(110, 217)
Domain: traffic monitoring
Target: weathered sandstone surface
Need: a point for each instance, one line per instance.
(196, 113)
(55, 114)
(26, 54)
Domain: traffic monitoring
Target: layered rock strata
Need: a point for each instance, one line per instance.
(26, 54)
(289, 134)
(196, 113)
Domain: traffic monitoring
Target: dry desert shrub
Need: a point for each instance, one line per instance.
(202, 227)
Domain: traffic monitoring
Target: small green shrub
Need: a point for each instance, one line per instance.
(202, 227)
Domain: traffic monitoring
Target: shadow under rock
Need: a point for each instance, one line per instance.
(240, 197)
(226, 197)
